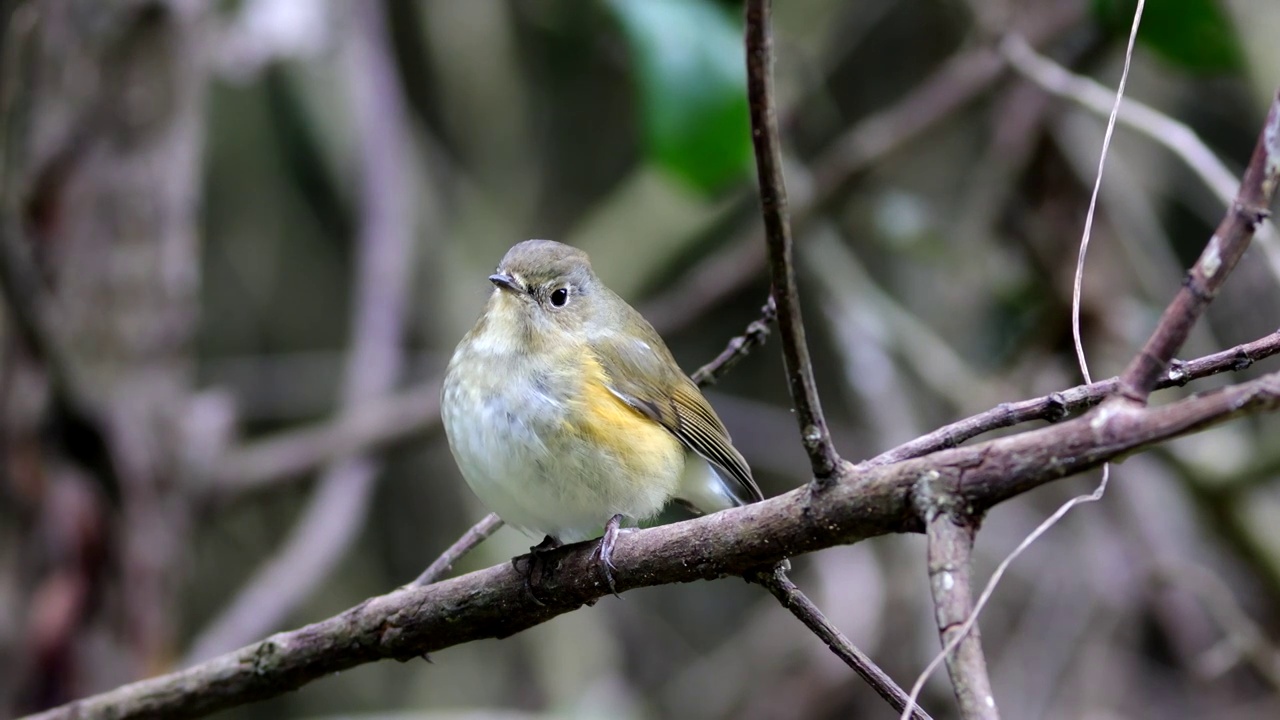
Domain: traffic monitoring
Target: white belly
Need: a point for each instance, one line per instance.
(531, 472)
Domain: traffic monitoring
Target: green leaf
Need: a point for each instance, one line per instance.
(691, 76)
(1195, 35)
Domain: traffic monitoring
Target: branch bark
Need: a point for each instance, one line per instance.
(951, 532)
(857, 504)
(1225, 248)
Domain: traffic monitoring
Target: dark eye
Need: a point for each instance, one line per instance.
(559, 297)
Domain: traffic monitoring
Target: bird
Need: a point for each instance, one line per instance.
(567, 414)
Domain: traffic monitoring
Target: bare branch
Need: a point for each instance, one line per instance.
(773, 205)
(859, 503)
(1056, 406)
(951, 533)
(777, 583)
(478, 533)
(1224, 250)
(738, 347)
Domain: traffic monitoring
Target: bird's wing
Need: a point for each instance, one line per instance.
(641, 372)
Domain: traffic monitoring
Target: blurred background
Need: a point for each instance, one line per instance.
(242, 238)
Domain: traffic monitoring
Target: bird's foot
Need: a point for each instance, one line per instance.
(604, 551)
(532, 565)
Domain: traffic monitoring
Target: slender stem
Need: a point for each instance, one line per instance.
(478, 533)
(777, 583)
(1206, 277)
(738, 347)
(773, 206)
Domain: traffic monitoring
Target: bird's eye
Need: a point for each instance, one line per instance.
(559, 297)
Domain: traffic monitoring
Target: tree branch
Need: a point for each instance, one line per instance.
(478, 533)
(857, 504)
(951, 533)
(738, 347)
(777, 583)
(1224, 250)
(773, 206)
(1056, 406)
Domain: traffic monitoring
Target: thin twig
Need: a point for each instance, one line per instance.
(773, 206)
(1224, 250)
(860, 503)
(950, 533)
(738, 347)
(336, 510)
(777, 583)
(478, 533)
(814, 434)
(1059, 405)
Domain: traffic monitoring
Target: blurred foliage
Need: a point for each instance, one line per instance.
(692, 83)
(1195, 35)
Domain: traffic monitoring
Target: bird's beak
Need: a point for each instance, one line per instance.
(504, 281)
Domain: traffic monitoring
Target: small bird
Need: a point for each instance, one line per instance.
(566, 413)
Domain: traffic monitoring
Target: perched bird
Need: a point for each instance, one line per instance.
(566, 413)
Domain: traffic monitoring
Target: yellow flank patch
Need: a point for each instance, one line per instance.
(645, 448)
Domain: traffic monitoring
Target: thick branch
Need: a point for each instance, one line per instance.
(773, 206)
(1224, 250)
(951, 534)
(857, 504)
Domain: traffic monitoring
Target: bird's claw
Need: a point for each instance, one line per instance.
(604, 551)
